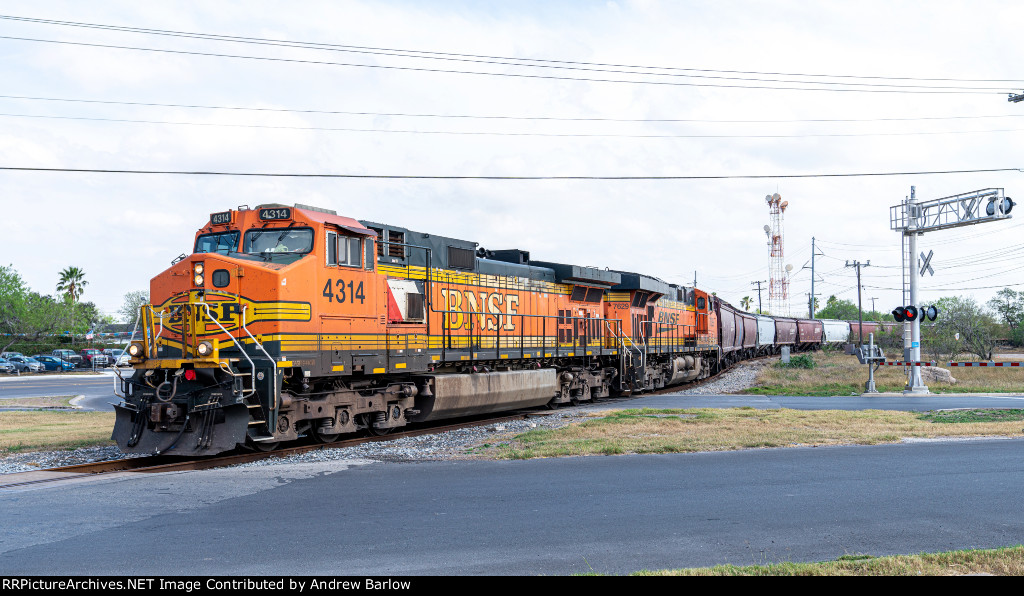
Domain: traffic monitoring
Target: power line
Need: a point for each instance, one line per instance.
(477, 58)
(501, 117)
(438, 177)
(508, 134)
(909, 89)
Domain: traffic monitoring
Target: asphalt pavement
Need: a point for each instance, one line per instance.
(96, 389)
(552, 516)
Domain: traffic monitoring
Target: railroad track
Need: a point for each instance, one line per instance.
(167, 463)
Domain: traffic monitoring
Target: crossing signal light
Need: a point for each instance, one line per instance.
(912, 313)
(905, 313)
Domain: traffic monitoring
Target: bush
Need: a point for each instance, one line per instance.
(801, 361)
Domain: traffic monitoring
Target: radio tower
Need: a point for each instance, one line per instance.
(778, 284)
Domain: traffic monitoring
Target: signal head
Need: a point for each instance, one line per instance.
(897, 314)
(1003, 207)
(932, 312)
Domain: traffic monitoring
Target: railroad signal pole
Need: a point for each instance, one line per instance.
(913, 219)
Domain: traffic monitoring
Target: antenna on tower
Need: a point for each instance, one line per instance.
(778, 281)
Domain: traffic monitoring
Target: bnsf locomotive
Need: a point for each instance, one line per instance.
(295, 321)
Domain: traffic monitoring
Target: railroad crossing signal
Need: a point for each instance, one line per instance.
(905, 313)
(927, 266)
(912, 313)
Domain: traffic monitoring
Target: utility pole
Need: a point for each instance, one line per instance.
(811, 301)
(860, 313)
(873, 303)
(758, 295)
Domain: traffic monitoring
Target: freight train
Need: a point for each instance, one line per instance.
(293, 321)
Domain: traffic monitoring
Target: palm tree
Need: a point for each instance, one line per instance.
(746, 302)
(72, 281)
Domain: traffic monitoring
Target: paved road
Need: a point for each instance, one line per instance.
(551, 516)
(97, 389)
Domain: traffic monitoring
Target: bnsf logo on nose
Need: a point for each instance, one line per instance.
(489, 306)
(228, 312)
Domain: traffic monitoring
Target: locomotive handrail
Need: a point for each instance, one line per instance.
(277, 396)
(117, 372)
(252, 365)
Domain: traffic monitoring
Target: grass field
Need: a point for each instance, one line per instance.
(835, 373)
(1000, 561)
(38, 430)
(706, 429)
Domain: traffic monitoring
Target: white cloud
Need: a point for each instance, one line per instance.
(669, 229)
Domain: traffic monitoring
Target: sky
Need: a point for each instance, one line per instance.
(751, 96)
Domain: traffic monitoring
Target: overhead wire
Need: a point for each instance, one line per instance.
(494, 177)
(502, 133)
(866, 88)
(501, 60)
(497, 116)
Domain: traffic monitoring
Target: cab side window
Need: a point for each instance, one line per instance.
(344, 251)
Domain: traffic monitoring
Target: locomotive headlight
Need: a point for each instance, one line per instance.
(197, 271)
(204, 349)
(135, 350)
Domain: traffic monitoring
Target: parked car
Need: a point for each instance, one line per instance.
(67, 356)
(6, 366)
(118, 357)
(54, 363)
(9, 355)
(93, 358)
(26, 364)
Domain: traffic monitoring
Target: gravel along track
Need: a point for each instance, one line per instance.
(446, 445)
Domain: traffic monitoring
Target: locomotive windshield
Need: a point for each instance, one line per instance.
(289, 241)
(222, 242)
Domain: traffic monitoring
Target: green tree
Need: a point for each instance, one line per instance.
(72, 283)
(746, 302)
(134, 300)
(976, 327)
(1008, 306)
(840, 310)
(25, 315)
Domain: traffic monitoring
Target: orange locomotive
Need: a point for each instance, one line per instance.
(294, 321)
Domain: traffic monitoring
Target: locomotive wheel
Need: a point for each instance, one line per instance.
(378, 432)
(323, 437)
(263, 446)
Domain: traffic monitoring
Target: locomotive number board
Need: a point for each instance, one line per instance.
(220, 218)
(271, 214)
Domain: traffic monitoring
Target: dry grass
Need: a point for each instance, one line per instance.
(707, 429)
(839, 374)
(39, 430)
(53, 401)
(1001, 561)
